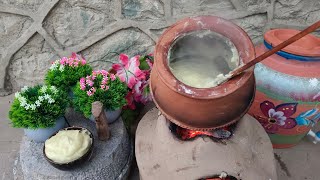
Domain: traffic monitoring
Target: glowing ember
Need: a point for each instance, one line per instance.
(218, 178)
(186, 134)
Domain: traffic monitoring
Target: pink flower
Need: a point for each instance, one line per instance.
(89, 93)
(83, 62)
(77, 56)
(104, 72)
(93, 89)
(89, 82)
(82, 80)
(141, 92)
(104, 81)
(107, 87)
(113, 77)
(82, 87)
(128, 70)
(75, 64)
(102, 86)
(64, 60)
(130, 101)
(70, 62)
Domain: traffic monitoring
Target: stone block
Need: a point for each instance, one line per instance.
(131, 41)
(29, 65)
(194, 7)
(299, 12)
(254, 26)
(31, 5)
(71, 22)
(110, 160)
(254, 4)
(142, 9)
(11, 28)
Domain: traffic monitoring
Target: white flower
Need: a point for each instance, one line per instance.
(50, 101)
(43, 89)
(17, 95)
(23, 104)
(27, 106)
(54, 89)
(40, 98)
(54, 66)
(24, 88)
(47, 96)
(33, 107)
(22, 100)
(38, 103)
(61, 68)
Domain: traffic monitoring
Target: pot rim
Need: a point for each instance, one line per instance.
(223, 27)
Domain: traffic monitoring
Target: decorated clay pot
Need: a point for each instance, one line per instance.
(202, 108)
(288, 88)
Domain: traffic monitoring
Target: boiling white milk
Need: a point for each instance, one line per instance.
(202, 59)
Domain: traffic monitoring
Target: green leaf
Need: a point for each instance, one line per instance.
(143, 63)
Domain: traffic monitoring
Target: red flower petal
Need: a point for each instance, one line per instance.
(124, 59)
(116, 67)
(270, 128)
(265, 106)
(288, 108)
(289, 124)
(261, 119)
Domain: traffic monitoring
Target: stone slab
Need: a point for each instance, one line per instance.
(109, 160)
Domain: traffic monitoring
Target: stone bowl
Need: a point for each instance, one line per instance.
(73, 164)
(202, 108)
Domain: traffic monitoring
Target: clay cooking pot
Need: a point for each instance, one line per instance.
(202, 108)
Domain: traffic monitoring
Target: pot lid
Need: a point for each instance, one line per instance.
(306, 46)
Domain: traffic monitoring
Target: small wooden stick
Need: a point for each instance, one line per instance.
(101, 121)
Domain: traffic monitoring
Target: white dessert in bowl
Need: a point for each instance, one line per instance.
(68, 147)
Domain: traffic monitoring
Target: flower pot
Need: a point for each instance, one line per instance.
(42, 134)
(111, 115)
(288, 88)
(202, 108)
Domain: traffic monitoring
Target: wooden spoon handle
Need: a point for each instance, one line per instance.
(277, 48)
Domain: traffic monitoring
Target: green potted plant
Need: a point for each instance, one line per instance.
(104, 87)
(39, 110)
(66, 72)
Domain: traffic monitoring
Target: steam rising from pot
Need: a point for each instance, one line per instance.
(202, 59)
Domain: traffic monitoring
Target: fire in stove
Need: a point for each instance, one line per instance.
(216, 134)
(222, 176)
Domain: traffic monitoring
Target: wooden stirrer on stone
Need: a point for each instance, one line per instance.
(101, 121)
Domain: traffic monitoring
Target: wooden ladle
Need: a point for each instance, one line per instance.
(277, 48)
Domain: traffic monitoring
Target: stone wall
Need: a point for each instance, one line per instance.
(35, 32)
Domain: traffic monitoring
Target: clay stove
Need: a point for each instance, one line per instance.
(202, 132)
(160, 154)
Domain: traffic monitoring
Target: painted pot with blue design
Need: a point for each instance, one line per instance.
(287, 100)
